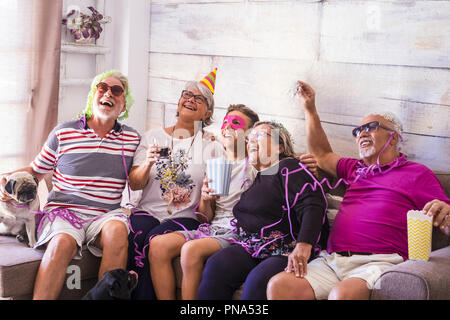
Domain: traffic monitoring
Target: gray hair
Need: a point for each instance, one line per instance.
(208, 96)
(284, 137)
(396, 125)
(392, 118)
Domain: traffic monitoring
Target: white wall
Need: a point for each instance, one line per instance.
(360, 57)
(119, 47)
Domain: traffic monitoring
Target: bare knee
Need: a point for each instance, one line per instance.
(191, 256)
(160, 249)
(277, 287)
(61, 247)
(114, 234)
(338, 293)
(285, 286)
(352, 289)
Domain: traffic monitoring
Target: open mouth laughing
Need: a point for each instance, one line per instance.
(229, 134)
(365, 142)
(190, 107)
(107, 103)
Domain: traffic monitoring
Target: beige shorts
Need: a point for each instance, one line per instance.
(86, 235)
(327, 270)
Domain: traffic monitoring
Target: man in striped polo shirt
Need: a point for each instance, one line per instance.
(89, 159)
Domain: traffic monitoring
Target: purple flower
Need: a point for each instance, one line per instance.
(83, 25)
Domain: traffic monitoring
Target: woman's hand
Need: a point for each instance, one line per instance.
(310, 162)
(152, 155)
(298, 259)
(206, 190)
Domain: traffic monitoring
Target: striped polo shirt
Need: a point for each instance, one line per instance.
(88, 171)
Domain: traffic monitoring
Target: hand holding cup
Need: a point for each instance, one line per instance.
(206, 190)
(152, 154)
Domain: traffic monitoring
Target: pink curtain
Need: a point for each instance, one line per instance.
(42, 114)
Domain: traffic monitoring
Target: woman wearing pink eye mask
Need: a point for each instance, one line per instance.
(196, 246)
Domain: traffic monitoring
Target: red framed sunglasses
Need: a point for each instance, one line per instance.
(115, 89)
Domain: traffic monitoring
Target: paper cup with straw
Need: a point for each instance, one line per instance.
(419, 235)
(218, 171)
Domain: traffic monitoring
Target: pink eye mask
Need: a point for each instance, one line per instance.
(229, 120)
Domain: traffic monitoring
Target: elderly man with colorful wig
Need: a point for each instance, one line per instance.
(89, 159)
(369, 233)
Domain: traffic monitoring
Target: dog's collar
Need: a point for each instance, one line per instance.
(22, 206)
(18, 205)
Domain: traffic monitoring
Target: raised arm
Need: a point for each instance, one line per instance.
(317, 140)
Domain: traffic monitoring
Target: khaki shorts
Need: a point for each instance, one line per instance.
(327, 270)
(86, 235)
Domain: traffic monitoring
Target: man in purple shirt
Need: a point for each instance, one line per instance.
(369, 233)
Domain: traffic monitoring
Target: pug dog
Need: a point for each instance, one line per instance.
(16, 215)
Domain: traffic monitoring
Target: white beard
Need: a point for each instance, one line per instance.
(367, 152)
(103, 114)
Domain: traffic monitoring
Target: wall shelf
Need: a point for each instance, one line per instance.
(84, 48)
(74, 82)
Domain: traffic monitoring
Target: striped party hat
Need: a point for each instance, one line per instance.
(210, 80)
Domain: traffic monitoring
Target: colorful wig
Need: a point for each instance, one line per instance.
(111, 73)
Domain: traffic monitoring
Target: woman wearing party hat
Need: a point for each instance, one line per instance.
(171, 181)
(195, 246)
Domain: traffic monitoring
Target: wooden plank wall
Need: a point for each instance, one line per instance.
(359, 56)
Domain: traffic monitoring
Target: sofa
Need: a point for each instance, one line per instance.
(19, 265)
(408, 280)
(420, 280)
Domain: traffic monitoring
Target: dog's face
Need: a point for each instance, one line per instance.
(115, 284)
(22, 187)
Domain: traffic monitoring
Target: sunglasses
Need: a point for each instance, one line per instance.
(368, 127)
(198, 98)
(115, 90)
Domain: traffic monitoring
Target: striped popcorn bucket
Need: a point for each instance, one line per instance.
(218, 171)
(419, 235)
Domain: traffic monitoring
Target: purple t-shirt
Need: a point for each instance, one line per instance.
(372, 216)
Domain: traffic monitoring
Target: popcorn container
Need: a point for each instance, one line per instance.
(218, 171)
(419, 235)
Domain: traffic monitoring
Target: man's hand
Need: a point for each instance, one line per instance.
(310, 162)
(4, 196)
(307, 96)
(440, 211)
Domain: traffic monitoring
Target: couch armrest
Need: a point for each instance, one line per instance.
(412, 280)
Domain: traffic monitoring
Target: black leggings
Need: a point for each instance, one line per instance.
(228, 269)
(145, 227)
